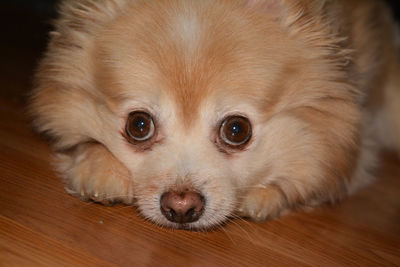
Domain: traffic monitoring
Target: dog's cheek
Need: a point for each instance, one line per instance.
(220, 193)
(302, 160)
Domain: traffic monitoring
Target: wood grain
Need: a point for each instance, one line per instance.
(41, 225)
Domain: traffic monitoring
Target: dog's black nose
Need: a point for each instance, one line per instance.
(182, 207)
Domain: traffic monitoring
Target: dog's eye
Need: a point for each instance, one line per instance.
(139, 126)
(235, 131)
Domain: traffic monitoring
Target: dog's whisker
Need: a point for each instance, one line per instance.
(250, 226)
(246, 233)
(228, 235)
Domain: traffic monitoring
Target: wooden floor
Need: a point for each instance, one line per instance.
(41, 225)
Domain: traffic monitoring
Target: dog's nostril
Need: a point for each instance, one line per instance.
(190, 212)
(182, 207)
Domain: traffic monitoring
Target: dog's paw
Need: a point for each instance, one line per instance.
(261, 203)
(91, 172)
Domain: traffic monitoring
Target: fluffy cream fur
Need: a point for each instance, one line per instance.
(318, 80)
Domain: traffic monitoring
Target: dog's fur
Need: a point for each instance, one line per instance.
(318, 80)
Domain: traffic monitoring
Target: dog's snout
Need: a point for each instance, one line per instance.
(182, 207)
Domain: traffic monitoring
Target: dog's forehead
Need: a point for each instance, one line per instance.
(192, 59)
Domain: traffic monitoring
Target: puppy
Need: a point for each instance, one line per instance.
(197, 111)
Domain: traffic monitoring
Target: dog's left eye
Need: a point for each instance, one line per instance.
(235, 131)
(139, 126)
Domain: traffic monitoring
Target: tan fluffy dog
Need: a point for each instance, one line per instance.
(196, 110)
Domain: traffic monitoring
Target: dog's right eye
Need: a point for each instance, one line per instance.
(235, 131)
(139, 126)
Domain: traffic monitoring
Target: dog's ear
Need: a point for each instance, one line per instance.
(280, 10)
(288, 11)
(64, 96)
(276, 6)
(311, 21)
(86, 14)
(306, 18)
(270, 6)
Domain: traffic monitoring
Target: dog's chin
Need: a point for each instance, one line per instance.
(201, 225)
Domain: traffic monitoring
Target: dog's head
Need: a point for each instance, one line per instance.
(202, 100)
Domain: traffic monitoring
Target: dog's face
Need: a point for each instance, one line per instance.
(207, 105)
(203, 100)
(190, 83)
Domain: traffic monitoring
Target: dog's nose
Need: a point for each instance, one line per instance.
(182, 207)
